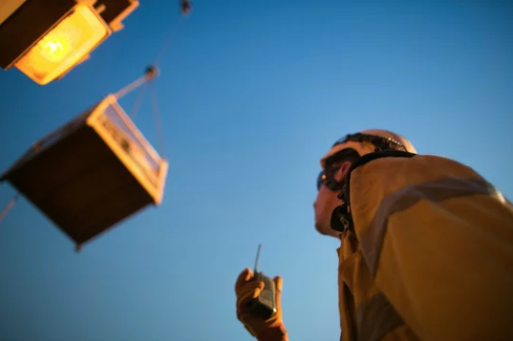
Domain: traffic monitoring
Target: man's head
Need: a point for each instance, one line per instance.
(335, 166)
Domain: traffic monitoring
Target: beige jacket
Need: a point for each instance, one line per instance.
(430, 256)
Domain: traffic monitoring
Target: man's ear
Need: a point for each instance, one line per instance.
(342, 171)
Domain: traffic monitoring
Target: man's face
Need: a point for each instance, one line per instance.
(327, 200)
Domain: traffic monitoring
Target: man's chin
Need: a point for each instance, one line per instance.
(327, 232)
(321, 230)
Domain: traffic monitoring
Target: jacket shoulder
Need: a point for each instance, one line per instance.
(386, 172)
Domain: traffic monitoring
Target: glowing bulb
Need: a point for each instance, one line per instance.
(64, 46)
(55, 47)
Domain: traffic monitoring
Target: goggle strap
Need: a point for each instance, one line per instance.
(382, 143)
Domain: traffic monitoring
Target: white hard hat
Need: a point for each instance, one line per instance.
(366, 141)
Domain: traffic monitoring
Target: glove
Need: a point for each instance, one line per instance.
(247, 290)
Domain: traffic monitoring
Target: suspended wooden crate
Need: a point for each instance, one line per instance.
(92, 173)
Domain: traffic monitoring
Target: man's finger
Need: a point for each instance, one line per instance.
(243, 278)
(278, 281)
(249, 292)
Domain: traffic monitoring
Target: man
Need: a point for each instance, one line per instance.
(426, 247)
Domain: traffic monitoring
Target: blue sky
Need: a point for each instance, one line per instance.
(252, 94)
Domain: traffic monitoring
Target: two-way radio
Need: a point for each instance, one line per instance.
(264, 305)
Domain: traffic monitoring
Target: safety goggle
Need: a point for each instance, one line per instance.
(326, 176)
(322, 179)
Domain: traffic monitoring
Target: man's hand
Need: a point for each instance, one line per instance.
(246, 291)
